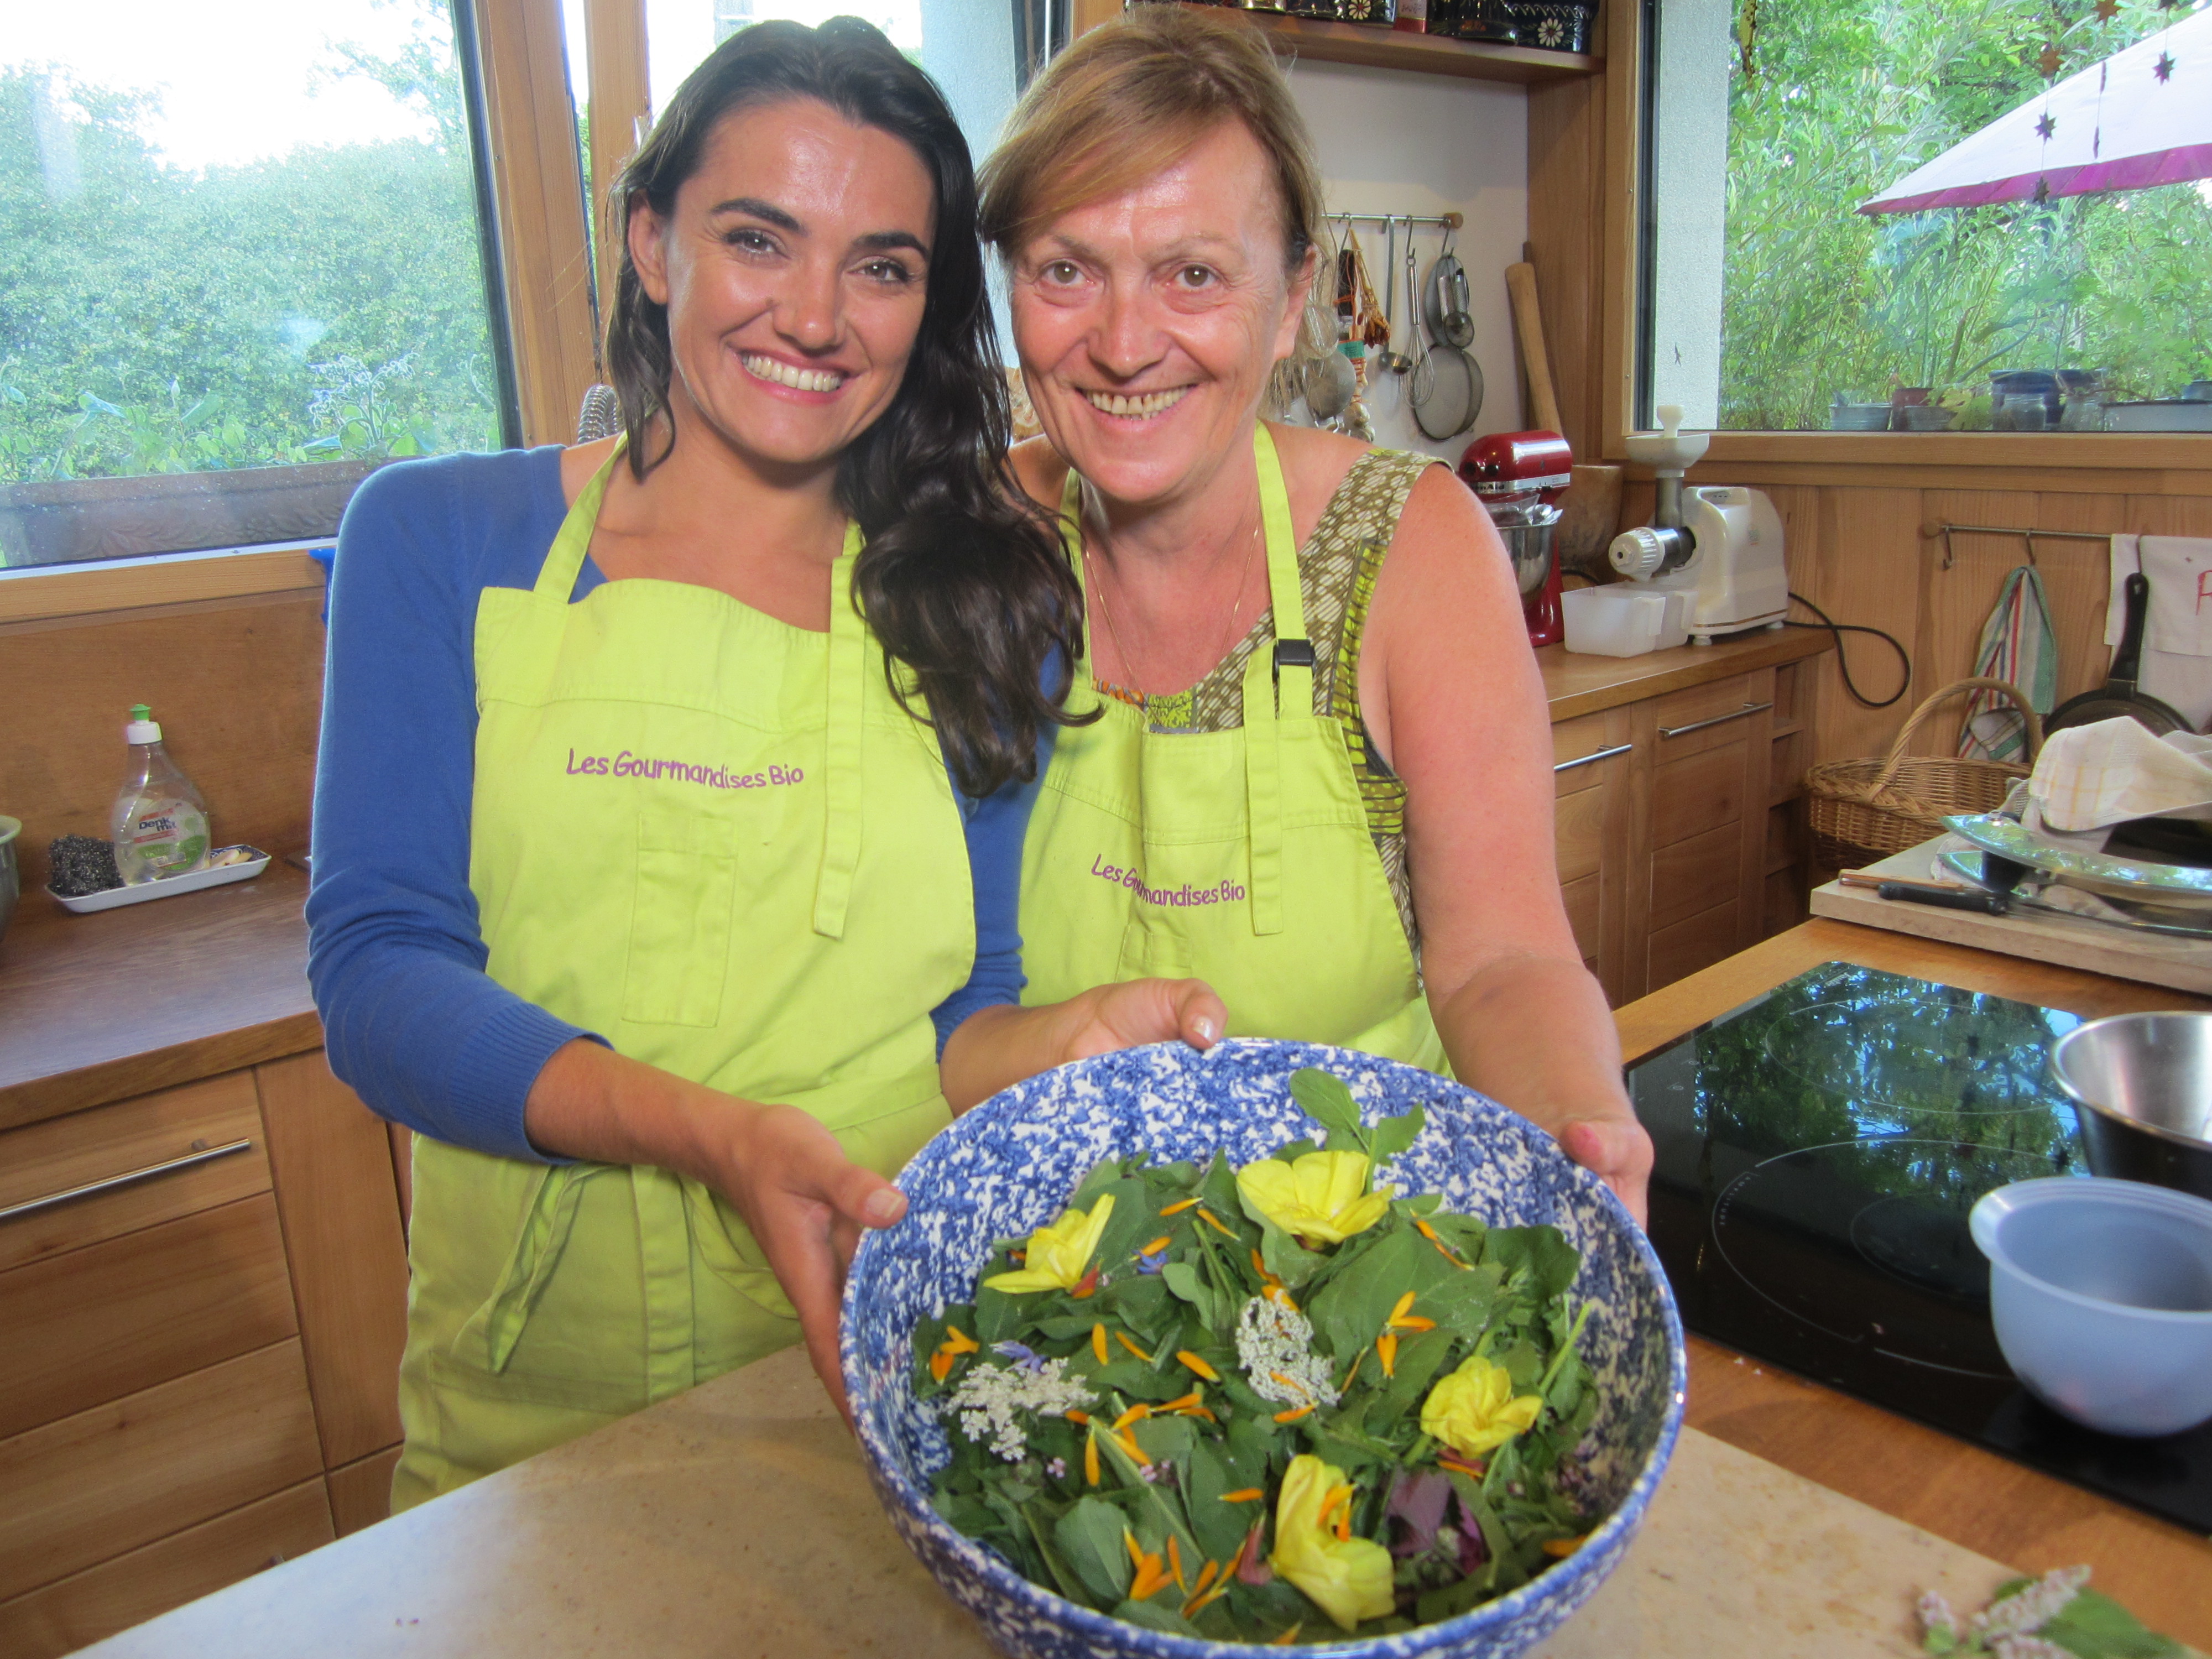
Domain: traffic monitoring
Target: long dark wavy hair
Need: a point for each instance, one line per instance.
(962, 579)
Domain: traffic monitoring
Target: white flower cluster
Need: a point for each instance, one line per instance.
(1935, 1615)
(990, 1399)
(1274, 1344)
(2028, 1610)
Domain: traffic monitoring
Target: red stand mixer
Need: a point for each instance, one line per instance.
(1519, 478)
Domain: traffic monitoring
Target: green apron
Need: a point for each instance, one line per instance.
(717, 840)
(1240, 857)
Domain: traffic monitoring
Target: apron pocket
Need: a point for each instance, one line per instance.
(679, 929)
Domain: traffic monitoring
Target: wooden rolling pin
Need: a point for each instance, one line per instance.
(1591, 507)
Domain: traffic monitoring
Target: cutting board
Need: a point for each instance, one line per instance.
(736, 1522)
(2185, 965)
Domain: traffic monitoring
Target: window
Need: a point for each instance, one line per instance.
(1789, 283)
(240, 266)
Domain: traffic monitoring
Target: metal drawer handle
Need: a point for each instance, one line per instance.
(1717, 720)
(1592, 759)
(123, 1180)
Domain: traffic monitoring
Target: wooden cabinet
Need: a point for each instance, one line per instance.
(1675, 822)
(204, 1291)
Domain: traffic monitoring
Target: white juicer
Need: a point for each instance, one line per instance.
(1718, 546)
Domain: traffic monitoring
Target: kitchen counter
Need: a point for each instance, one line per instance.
(1578, 685)
(736, 1519)
(96, 1008)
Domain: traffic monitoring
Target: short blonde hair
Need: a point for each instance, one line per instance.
(1128, 100)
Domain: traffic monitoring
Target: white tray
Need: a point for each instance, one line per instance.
(167, 888)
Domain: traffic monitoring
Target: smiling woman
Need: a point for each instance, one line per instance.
(707, 743)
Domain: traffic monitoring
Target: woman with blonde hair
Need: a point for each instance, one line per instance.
(1321, 777)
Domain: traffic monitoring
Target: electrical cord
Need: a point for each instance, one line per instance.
(1903, 657)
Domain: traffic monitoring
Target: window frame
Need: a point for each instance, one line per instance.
(2128, 463)
(520, 103)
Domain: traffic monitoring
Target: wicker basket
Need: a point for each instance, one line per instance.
(1863, 810)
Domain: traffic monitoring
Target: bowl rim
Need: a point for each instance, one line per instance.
(2196, 1143)
(1993, 1208)
(1615, 1531)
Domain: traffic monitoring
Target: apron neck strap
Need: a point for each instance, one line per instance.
(1294, 652)
(564, 562)
(847, 717)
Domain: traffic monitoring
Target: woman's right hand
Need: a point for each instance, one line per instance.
(806, 1201)
(996, 1047)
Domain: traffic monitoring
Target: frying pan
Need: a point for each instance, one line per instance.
(2119, 694)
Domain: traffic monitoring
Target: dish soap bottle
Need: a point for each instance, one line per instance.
(160, 824)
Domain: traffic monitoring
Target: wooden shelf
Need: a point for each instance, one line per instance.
(1316, 41)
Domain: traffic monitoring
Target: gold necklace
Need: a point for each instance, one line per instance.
(1129, 664)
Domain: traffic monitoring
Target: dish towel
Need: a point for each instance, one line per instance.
(2177, 658)
(2018, 645)
(2091, 777)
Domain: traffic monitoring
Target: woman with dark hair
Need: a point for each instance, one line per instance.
(651, 770)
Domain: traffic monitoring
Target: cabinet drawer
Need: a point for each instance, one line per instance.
(174, 1127)
(1578, 833)
(1697, 942)
(1702, 717)
(127, 1313)
(1699, 793)
(88, 1487)
(1695, 874)
(1580, 758)
(89, 1605)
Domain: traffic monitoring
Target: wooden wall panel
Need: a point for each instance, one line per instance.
(238, 689)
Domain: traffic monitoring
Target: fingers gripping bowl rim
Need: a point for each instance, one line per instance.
(1007, 1167)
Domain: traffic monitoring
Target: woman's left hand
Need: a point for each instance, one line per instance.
(997, 1048)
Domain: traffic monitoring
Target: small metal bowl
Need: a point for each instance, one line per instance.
(2142, 1084)
(1527, 533)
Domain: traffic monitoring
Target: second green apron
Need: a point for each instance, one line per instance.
(717, 841)
(1241, 857)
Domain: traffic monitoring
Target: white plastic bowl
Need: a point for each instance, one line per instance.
(2101, 1291)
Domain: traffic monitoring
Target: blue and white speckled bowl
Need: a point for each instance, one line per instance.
(1009, 1166)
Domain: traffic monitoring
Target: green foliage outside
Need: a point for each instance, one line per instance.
(1831, 101)
(327, 306)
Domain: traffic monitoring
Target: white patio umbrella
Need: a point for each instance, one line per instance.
(2142, 116)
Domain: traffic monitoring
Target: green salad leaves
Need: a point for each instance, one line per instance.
(1272, 1404)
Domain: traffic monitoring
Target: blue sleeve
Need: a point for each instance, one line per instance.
(395, 958)
(997, 826)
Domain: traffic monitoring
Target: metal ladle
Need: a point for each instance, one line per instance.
(1393, 359)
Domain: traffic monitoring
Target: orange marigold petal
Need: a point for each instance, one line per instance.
(1287, 1637)
(1243, 1495)
(1560, 1548)
(1293, 1416)
(1129, 1342)
(1156, 1245)
(1090, 1459)
(1216, 1223)
(1180, 1205)
(940, 1365)
(1175, 1564)
(1098, 1343)
(1193, 1363)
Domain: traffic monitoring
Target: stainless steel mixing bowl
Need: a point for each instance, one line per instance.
(2144, 1086)
(1527, 533)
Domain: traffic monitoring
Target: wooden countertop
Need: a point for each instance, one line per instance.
(1579, 685)
(99, 1007)
(1959, 1492)
(736, 1522)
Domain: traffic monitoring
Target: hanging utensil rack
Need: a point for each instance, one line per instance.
(1945, 530)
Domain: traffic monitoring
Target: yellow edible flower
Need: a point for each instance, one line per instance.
(1348, 1579)
(1322, 1198)
(1473, 1410)
(1059, 1254)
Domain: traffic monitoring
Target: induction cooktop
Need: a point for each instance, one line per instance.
(1818, 1150)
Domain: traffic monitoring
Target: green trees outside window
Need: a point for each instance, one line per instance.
(1831, 101)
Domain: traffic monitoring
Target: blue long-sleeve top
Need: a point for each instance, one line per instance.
(395, 958)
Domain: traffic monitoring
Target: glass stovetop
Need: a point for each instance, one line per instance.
(1818, 1152)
